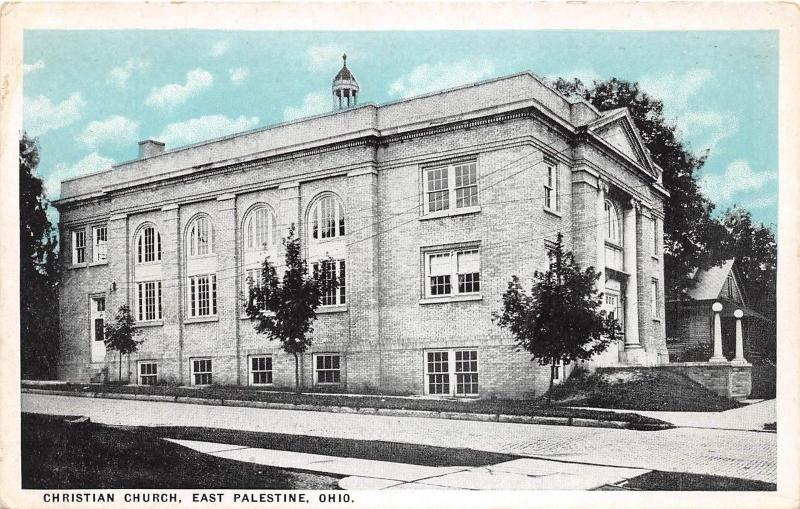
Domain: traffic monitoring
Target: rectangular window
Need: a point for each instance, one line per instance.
(445, 267)
(98, 314)
(261, 370)
(201, 371)
(327, 368)
(253, 280)
(148, 297)
(332, 270)
(203, 295)
(654, 298)
(451, 187)
(78, 247)
(440, 372)
(551, 188)
(148, 373)
(100, 239)
(656, 239)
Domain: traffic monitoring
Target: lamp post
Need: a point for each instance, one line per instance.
(717, 357)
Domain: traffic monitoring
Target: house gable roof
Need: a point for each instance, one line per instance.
(710, 283)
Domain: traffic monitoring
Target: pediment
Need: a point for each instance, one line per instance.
(618, 130)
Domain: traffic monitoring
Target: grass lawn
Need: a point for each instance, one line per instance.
(484, 406)
(57, 455)
(642, 389)
(682, 481)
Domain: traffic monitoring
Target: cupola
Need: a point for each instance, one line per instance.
(345, 88)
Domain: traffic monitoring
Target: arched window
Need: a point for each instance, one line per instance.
(148, 245)
(613, 229)
(327, 218)
(201, 236)
(260, 229)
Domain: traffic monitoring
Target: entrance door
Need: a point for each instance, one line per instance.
(612, 304)
(97, 319)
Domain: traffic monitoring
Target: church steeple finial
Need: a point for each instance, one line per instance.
(345, 87)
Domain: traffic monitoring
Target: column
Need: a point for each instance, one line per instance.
(717, 357)
(739, 359)
(228, 304)
(172, 284)
(629, 241)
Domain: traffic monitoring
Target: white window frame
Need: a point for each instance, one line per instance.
(252, 279)
(252, 229)
(97, 314)
(78, 246)
(613, 227)
(337, 370)
(450, 192)
(315, 217)
(142, 301)
(194, 239)
(253, 372)
(552, 187)
(453, 271)
(141, 375)
(654, 298)
(141, 246)
(340, 273)
(100, 244)
(450, 376)
(194, 373)
(193, 299)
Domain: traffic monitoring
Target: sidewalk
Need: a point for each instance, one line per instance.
(740, 454)
(751, 417)
(362, 474)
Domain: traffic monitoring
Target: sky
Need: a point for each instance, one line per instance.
(89, 96)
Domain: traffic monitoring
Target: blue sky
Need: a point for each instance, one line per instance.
(91, 95)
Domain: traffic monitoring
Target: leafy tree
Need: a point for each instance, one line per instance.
(561, 319)
(755, 249)
(285, 308)
(38, 270)
(120, 335)
(690, 231)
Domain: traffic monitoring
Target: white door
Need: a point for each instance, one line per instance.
(97, 320)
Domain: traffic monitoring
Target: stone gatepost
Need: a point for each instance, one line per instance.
(739, 359)
(717, 356)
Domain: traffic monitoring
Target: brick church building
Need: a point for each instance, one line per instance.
(428, 205)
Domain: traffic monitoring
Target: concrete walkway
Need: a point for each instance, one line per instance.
(362, 474)
(750, 417)
(742, 454)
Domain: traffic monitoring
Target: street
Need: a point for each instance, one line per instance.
(742, 454)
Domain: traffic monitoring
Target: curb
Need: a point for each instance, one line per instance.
(392, 412)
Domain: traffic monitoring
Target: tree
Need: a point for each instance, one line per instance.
(285, 308)
(39, 329)
(690, 231)
(755, 249)
(120, 335)
(560, 320)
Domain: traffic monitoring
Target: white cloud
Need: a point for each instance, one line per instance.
(313, 104)
(116, 131)
(429, 77)
(709, 127)
(737, 178)
(204, 128)
(763, 202)
(239, 74)
(89, 164)
(39, 64)
(324, 57)
(174, 94)
(120, 75)
(219, 48)
(674, 89)
(40, 115)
